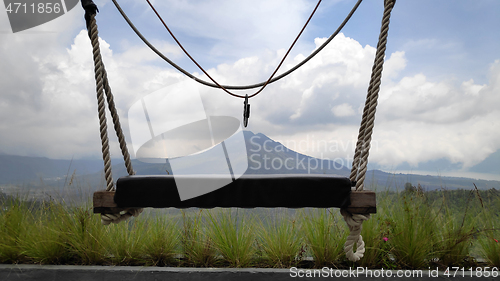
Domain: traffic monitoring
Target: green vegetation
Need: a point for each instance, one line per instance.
(197, 245)
(280, 240)
(412, 229)
(325, 234)
(232, 237)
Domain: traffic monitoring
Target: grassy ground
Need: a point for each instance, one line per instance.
(412, 229)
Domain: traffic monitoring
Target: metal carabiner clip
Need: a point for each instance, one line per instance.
(246, 111)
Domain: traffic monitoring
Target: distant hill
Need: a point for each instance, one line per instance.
(265, 156)
(22, 169)
(379, 180)
(489, 165)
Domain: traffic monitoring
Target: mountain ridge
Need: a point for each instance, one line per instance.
(265, 156)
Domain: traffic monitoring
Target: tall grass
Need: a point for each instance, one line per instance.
(198, 246)
(456, 235)
(489, 241)
(415, 230)
(410, 230)
(14, 223)
(44, 240)
(280, 240)
(161, 243)
(84, 236)
(326, 234)
(233, 237)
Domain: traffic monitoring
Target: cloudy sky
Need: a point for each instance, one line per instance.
(439, 102)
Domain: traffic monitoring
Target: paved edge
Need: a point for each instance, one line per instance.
(25, 272)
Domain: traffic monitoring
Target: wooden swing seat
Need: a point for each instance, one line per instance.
(248, 191)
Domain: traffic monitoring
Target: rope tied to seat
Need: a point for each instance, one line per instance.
(102, 85)
(121, 216)
(359, 165)
(360, 161)
(355, 224)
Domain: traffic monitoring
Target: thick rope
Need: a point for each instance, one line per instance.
(98, 69)
(93, 34)
(116, 123)
(359, 166)
(119, 217)
(232, 87)
(354, 222)
(103, 84)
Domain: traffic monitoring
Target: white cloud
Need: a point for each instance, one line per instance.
(228, 30)
(307, 97)
(343, 110)
(142, 54)
(470, 88)
(419, 120)
(48, 96)
(394, 65)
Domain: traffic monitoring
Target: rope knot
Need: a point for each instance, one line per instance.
(121, 216)
(354, 222)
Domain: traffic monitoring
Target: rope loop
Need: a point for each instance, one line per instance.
(107, 219)
(355, 224)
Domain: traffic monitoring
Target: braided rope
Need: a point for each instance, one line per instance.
(355, 224)
(107, 219)
(116, 123)
(359, 165)
(360, 161)
(102, 84)
(98, 69)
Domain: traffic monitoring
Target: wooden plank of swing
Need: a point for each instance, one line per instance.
(362, 202)
(104, 203)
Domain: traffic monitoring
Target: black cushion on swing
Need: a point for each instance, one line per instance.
(248, 191)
